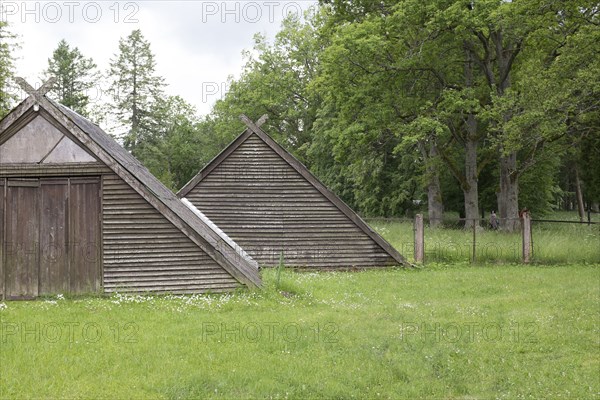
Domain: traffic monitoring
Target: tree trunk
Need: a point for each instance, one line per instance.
(508, 197)
(435, 205)
(579, 195)
(469, 186)
(470, 190)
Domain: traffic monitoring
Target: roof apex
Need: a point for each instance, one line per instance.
(254, 128)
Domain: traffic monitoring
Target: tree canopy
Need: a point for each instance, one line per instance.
(397, 105)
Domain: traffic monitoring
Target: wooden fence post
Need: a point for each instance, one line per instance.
(419, 239)
(526, 230)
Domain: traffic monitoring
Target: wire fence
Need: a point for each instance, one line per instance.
(485, 240)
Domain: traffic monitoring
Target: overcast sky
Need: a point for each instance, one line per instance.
(197, 44)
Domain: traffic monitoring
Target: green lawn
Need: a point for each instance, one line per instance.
(455, 331)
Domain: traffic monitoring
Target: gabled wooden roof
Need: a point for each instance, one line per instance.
(254, 129)
(128, 168)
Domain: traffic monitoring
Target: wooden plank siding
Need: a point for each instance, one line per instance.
(22, 239)
(143, 251)
(267, 207)
(85, 272)
(54, 237)
(51, 237)
(58, 170)
(2, 229)
(79, 214)
(243, 269)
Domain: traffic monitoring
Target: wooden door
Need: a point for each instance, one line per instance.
(2, 202)
(85, 243)
(51, 237)
(54, 240)
(22, 239)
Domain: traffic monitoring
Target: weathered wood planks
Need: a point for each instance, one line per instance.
(269, 203)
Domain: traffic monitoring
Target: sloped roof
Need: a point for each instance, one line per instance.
(254, 129)
(128, 168)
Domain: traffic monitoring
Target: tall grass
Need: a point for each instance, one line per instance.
(552, 242)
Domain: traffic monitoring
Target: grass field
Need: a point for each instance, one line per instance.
(455, 331)
(451, 329)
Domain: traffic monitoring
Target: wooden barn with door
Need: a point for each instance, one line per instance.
(79, 214)
(269, 203)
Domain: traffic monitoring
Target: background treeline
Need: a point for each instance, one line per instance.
(464, 106)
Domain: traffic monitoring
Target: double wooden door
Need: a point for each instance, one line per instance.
(50, 236)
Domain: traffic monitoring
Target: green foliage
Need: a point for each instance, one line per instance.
(538, 186)
(280, 268)
(419, 70)
(590, 164)
(74, 75)
(7, 46)
(558, 108)
(175, 146)
(275, 82)
(366, 99)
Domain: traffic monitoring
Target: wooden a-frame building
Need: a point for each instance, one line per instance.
(79, 214)
(270, 204)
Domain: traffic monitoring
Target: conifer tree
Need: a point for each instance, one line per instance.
(135, 89)
(75, 76)
(7, 96)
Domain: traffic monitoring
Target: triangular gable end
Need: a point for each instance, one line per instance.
(67, 151)
(90, 139)
(39, 141)
(274, 196)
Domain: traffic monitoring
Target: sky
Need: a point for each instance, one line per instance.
(197, 44)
